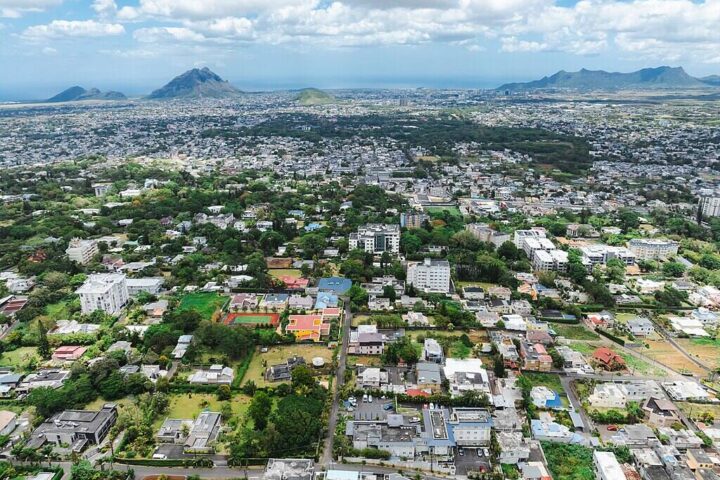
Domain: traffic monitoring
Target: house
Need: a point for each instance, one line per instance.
(182, 346)
(697, 459)
(8, 421)
(429, 376)
(543, 397)
(474, 293)
(534, 471)
(203, 433)
(68, 353)
(308, 327)
(513, 448)
(215, 375)
(535, 357)
(550, 431)
(608, 360)
(299, 302)
(466, 375)
(606, 466)
(151, 285)
(69, 327)
(683, 391)
(432, 351)
(682, 439)
(244, 301)
(372, 377)
(326, 300)
(75, 428)
(365, 340)
(275, 301)
(379, 304)
(283, 371)
(641, 327)
(174, 430)
(608, 395)
(660, 412)
(49, 378)
(416, 318)
(294, 283)
(515, 322)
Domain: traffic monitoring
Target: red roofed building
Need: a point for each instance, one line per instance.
(308, 327)
(294, 283)
(607, 359)
(416, 392)
(68, 353)
(10, 305)
(331, 312)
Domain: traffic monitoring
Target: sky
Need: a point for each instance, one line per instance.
(135, 46)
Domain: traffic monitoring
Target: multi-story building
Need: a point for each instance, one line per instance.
(550, 260)
(601, 254)
(710, 206)
(653, 248)
(82, 251)
(105, 291)
(413, 219)
(430, 275)
(607, 466)
(76, 428)
(521, 235)
(376, 238)
(484, 233)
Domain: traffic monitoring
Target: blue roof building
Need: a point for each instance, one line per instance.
(336, 285)
(326, 300)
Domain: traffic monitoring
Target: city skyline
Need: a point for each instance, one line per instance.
(136, 46)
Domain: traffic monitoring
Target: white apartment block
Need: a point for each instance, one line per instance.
(531, 245)
(376, 238)
(106, 291)
(607, 466)
(550, 260)
(653, 248)
(521, 235)
(601, 254)
(710, 206)
(82, 251)
(430, 275)
(151, 285)
(486, 234)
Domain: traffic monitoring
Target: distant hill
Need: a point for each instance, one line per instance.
(711, 80)
(196, 83)
(313, 96)
(77, 93)
(647, 78)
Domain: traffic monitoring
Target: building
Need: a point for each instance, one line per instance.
(710, 206)
(203, 433)
(366, 340)
(283, 371)
(429, 376)
(601, 254)
(534, 471)
(308, 327)
(513, 448)
(75, 428)
(215, 375)
(641, 327)
(104, 291)
(486, 234)
(68, 353)
(376, 238)
(431, 275)
(82, 251)
(43, 378)
(151, 285)
(466, 375)
(550, 260)
(653, 248)
(607, 359)
(607, 467)
(8, 421)
(432, 351)
(413, 219)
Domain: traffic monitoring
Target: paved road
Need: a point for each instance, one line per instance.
(327, 455)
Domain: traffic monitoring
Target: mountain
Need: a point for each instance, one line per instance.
(711, 80)
(196, 83)
(647, 78)
(313, 96)
(77, 93)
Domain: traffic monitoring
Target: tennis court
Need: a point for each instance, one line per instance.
(252, 319)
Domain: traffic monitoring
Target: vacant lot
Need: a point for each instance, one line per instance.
(705, 350)
(696, 410)
(18, 357)
(360, 320)
(638, 366)
(663, 352)
(205, 303)
(454, 211)
(279, 354)
(285, 272)
(574, 332)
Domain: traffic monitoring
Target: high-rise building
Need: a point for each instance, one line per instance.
(82, 251)
(105, 291)
(376, 238)
(653, 248)
(430, 275)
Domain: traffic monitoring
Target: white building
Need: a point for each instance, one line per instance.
(81, 251)
(607, 466)
(431, 275)
(608, 395)
(106, 291)
(550, 260)
(710, 206)
(432, 351)
(653, 248)
(521, 235)
(466, 375)
(601, 254)
(486, 234)
(376, 238)
(151, 285)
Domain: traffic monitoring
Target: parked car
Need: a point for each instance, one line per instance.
(612, 428)
(388, 406)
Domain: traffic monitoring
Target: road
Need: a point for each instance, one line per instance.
(327, 455)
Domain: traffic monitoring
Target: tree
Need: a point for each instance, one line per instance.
(508, 251)
(673, 269)
(389, 293)
(259, 410)
(43, 344)
(224, 393)
(303, 376)
(499, 366)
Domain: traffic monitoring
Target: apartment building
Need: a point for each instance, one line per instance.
(104, 291)
(653, 248)
(550, 260)
(431, 275)
(484, 233)
(601, 254)
(710, 206)
(81, 251)
(607, 467)
(376, 238)
(413, 219)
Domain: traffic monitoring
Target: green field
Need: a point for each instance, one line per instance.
(252, 319)
(189, 405)
(206, 304)
(574, 332)
(549, 380)
(285, 272)
(279, 354)
(454, 211)
(16, 358)
(569, 462)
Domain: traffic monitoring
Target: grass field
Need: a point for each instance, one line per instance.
(359, 320)
(661, 351)
(189, 405)
(364, 360)
(574, 332)
(696, 410)
(459, 350)
(638, 366)
(285, 272)
(584, 348)
(205, 303)
(624, 317)
(705, 350)
(549, 380)
(58, 311)
(454, 211)
(279, 354)
(18, 357)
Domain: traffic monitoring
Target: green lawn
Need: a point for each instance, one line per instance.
(59, 310)
(189, 405)
(569, 462)
(205, 303)
(550, 380)
(459, 350)
(454, 211)
(574, 332)
(16, 358)
(285, 272)
(584, 348)
(639, 366)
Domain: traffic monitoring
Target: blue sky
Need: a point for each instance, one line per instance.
(137, 45)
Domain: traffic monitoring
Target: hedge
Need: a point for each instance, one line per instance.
(567, 321)
(610, 336)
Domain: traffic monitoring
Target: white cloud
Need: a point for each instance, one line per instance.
(175, 34)
(105, 8)
(16, 8)
(73, 28)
